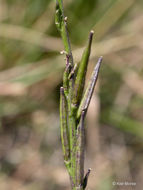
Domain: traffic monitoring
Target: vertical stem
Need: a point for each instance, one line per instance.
(73, 104)
(64, 30)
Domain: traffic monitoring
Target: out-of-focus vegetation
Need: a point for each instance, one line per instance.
(31, 73)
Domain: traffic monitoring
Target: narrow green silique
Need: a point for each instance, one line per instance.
(64, 128)
(74, 103)
(81, 73)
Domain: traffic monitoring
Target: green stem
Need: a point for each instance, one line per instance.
(73, 105)
(61, 22)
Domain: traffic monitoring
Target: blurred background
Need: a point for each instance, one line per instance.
(31, 70)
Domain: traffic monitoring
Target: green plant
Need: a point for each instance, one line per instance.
(74, 103)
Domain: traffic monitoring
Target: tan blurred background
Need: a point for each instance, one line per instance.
(30, 76)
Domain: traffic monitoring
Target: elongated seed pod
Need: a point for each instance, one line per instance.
(64, 127)
(81, 73)
(89, 90)
(80, 150)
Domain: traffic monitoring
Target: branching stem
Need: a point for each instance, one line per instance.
(74, 104)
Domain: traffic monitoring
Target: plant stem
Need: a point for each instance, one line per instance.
(61, 21)
(74, 104)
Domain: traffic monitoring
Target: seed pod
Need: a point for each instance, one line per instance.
(89, 90)
(81, 73)
(80, 150)
(64, 127)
